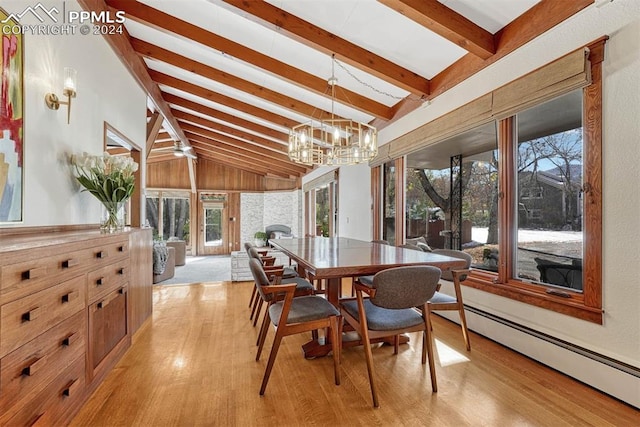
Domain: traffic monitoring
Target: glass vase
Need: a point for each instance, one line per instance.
(112, 217)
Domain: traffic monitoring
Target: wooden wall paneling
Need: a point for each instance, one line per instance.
(171, 174)
(214, 176)
(233, 206)
(141, 277)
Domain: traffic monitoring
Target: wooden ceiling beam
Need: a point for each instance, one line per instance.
(229, 161)
(281, 160)
(170, 24)
(531, 24)
(324, 41)
(136, 66)
(215, 126)
(153, 128)
(226, 117)
(216, 147)
(162, 145)
(155, 158)
(166, 80)
(447, 23)
(152, 51)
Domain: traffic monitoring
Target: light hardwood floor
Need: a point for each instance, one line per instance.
(193, 364)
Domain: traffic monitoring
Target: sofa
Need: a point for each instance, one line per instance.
(181, 250)
(169, 268)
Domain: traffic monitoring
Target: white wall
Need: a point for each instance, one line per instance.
(106, 92)
(619, 336)
(354, 199)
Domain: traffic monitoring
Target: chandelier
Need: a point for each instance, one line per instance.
(332, 141)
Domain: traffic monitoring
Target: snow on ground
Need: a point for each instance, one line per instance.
(479, 234)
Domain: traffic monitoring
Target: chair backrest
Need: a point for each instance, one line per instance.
(260, 277)
(410, 246)
(253, 253)
(405, 287)
(446, 274)
(247, 245)
(382, 242)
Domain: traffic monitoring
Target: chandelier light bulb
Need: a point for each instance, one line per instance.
(303, 137)
(367, 138)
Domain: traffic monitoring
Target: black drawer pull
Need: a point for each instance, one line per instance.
(31, 314)
(100, 281)
(70, 263)
(66, 342)
(121, 248)
(101, 254)
(121, 271)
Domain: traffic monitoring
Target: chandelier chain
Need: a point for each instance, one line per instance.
(370, 86)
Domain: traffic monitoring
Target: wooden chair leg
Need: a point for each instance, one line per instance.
(264, 324)
(263, 334)
(463, 325)
(369, 358)
(254, 294)
(255, 319)
(336, 344)
(255, 305)
(396, 344)
(428, 345)
(272, 359)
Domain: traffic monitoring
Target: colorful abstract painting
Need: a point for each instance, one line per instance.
(11, 122)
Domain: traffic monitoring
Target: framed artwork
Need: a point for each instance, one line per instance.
(11, 121)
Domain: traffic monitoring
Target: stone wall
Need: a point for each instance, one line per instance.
(257, 210)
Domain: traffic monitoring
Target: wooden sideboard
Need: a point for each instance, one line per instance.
(70, 301)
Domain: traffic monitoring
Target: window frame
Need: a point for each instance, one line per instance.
(586, 305)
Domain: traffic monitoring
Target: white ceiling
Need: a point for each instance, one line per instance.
(368, 24)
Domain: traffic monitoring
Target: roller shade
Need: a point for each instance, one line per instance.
(568, 73)
(321, 181)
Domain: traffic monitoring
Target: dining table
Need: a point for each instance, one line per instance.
(333, 258)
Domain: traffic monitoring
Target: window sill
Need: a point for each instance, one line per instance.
(572, 304)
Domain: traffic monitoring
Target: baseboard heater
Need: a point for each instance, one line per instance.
(616, 364)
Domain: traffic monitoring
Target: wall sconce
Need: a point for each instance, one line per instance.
(69, 91)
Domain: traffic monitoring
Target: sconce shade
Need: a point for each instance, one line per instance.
(69, 90)
(70, 82)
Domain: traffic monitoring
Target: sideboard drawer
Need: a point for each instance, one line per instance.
(52, 405)
(110, 253)
(25, 319)
(24, 278)
(104, 280)
(28, 370)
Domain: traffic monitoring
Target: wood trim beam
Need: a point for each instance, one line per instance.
(169, 24)
(164, 79)
(136, 66)
(191, 163)
(215, 126)
(280, 160)
(447, 23)
(157, 157)
(149, 50)
(232, 157)
(229, 161)
(226, 117)
(328, 43)
(534, 22)
(153, 128)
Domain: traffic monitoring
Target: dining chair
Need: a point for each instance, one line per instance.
(280, 274)
(291, 316)
(442, 301)
(390, 311)
(368, 280)
(247, 246)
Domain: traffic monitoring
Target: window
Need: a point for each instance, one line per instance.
(543, 173)
(389, 202)
(321, 205)
(169, 213)
(549, 157)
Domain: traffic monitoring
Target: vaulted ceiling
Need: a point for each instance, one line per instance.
(230, 77)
